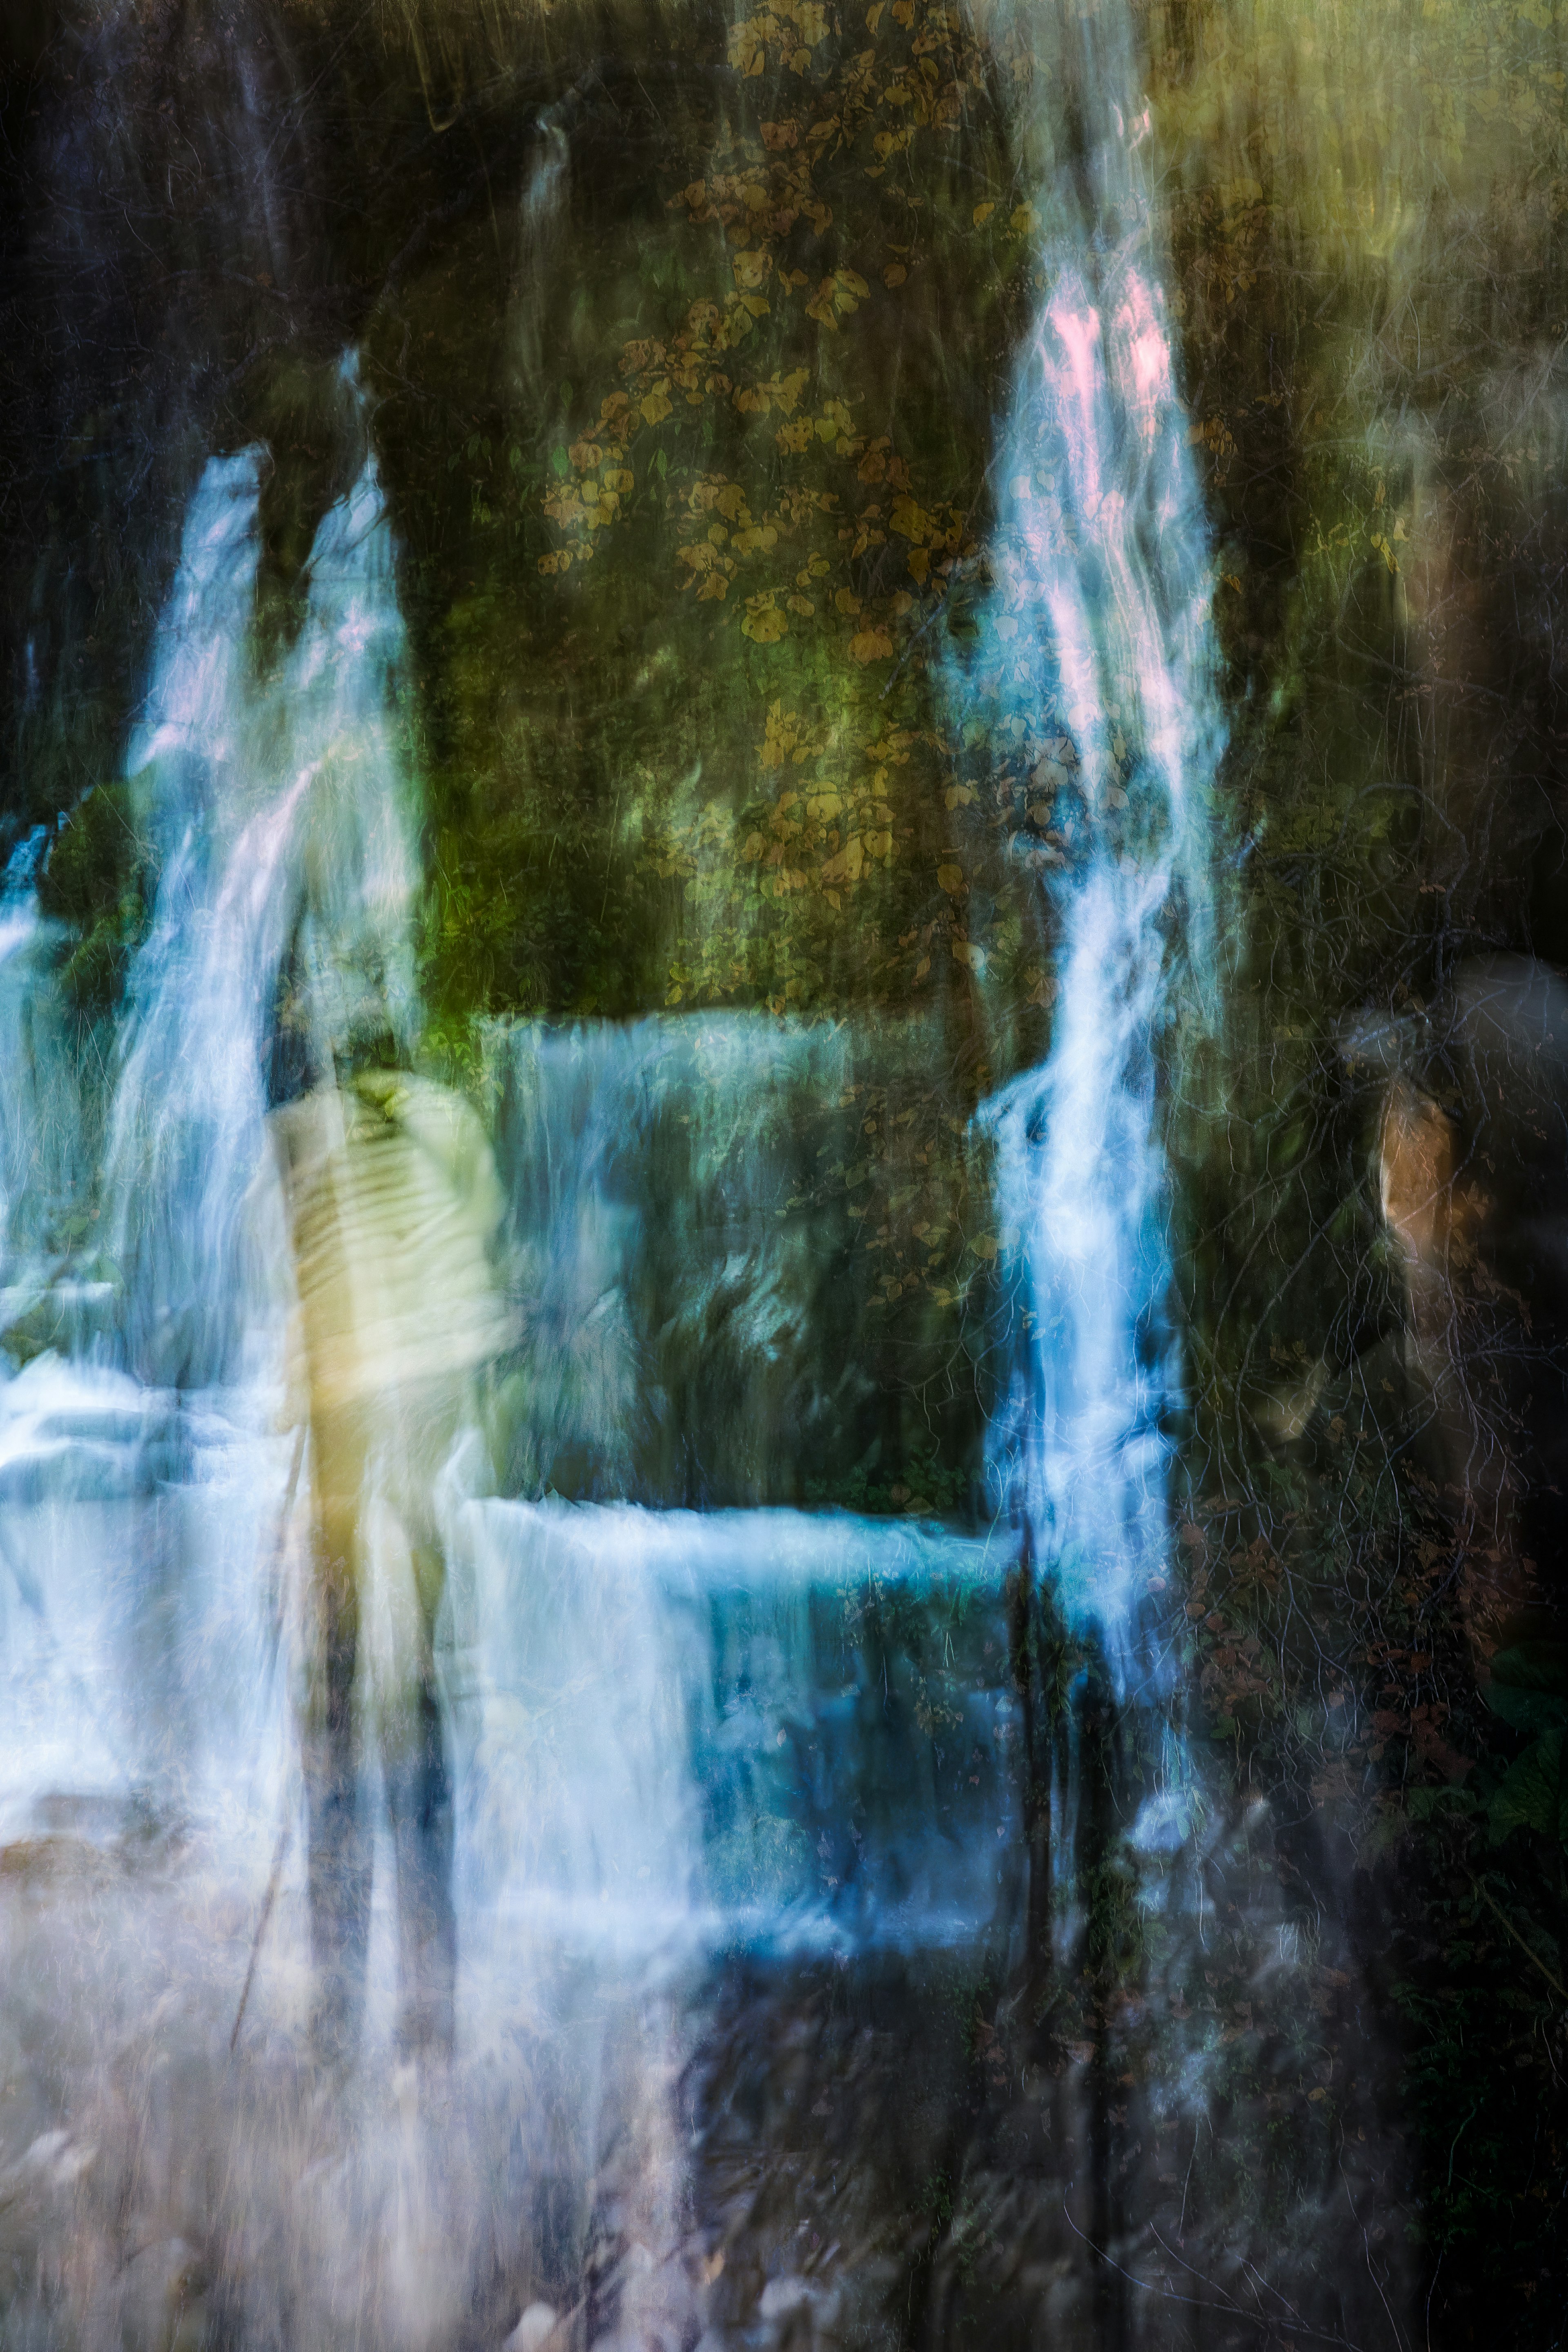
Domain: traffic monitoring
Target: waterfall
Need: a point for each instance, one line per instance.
(1097, 651)
(1102, 584)
(147, 1606)
(187, 1103)
(684, 1727)
(282, 817)
(671, 1727)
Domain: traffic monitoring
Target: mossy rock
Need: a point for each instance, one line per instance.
(100, 879)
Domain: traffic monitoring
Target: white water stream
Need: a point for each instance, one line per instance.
(1102, 583)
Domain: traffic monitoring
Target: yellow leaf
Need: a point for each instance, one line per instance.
(847, 865)
(713, 588)
(919, 562)
(846, 600)
(894, 274)
(983, 214)
(764, 623)
(750, 269)
(655, 406)
(984, 1245)
(951, 878)
(871, 646)
(793, 438)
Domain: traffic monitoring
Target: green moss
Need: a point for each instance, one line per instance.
(99, 879)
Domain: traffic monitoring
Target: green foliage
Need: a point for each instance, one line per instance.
(1529, 1686)
(1528, 1689)
(1534, 1791)
(922, 1485)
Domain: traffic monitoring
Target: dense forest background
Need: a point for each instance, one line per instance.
(688, 337)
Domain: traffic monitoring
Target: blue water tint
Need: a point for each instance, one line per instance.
(765, 1727)
(1096, 640)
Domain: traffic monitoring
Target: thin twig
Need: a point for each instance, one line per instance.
(1518, 1938)
(270, 1897)
(268, 1901)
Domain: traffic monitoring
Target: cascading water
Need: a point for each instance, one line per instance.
(1101, 577)
(281, 822)
(275, 813)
